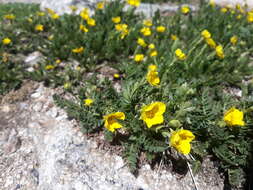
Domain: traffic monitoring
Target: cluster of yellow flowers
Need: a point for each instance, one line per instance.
(123, 29)
(86, 16)
(152, 114)
(218, 49)
(208, 38)
(238, 10)
(146, 31)
(180, 54)
(250, 16)
(151, 47)
(52, 14)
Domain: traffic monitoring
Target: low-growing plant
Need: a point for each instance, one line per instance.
(175, 75)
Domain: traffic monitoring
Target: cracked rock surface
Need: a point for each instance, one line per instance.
(41, 149)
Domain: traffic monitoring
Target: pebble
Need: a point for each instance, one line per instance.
(37, 107)
(36, 95)
(5, 108)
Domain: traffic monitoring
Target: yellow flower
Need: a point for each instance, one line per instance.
(49, 67)
(58, 61)
(116, 20)
(73, 8)
(174, 37)
(39, 13)
(83, 28)
(250, 17)
(152, 67)
(211, 42)
(6, 41)
(234, 117)
(50, 11)
(224, 10)
(85, 14)
(180, 54)
(219, 51)
(147, 22)
(153, 78)
(153, 53)
(239, 8)
(100, 5)
(10, 16)
(78, 50)
(185, 9)
(146, 31)
(88, 102)
(141, 42)
(55, 16)
(134, 3)
(50, 37)
(239, 17)
(67, 85)
(152, 114)
(151, 46)
(233, 40)
(121, 27)
(212, 3)
(181, 139)
(39, 27)
(111, 120)
(124, 33)
(139, 57)
(160, 29)
(116, 76)
(91, 22)
(205, 34)
(30, 20)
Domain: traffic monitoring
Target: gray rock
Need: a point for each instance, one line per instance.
(32, 60)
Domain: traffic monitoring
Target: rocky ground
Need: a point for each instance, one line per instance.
(62, 6)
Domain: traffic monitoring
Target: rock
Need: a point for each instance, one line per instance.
(33, 60)
(54, 155)
(13, 143)
(35, 95)
(234, 2)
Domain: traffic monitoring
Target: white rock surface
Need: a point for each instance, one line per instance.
(40, 149)
(234, 2)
